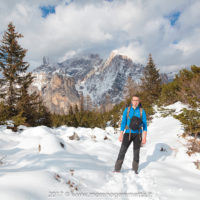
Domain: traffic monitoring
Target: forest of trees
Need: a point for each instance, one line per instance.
(23, 108)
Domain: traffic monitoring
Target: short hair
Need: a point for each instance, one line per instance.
(135, 95)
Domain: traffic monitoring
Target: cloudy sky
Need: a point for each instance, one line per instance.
(59, 29)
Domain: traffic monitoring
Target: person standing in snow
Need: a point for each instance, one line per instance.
(133, 120)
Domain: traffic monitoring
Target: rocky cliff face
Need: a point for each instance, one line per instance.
(57, 91)
(110, 79)
(60, 84)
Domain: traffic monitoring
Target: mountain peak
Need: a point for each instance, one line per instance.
(115, 53)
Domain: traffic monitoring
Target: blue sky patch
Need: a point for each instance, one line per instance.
(46, 10)
(173, 17)
(68, 2)
(175, 42)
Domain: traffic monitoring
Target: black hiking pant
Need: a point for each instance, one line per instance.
(136, 138)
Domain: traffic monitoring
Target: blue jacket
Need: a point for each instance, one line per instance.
(135, 112)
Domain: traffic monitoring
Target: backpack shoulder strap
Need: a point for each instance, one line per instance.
(129, 107)
(127, 115)
(140, 112)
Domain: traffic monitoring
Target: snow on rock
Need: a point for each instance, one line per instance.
(84, 167)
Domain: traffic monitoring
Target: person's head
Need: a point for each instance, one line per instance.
(135, 100)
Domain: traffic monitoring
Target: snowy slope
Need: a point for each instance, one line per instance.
(83, 168)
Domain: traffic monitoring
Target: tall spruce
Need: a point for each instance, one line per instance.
(151, 81)
(11, 55)
(15, 80)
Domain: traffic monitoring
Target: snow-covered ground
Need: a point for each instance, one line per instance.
(35, 166)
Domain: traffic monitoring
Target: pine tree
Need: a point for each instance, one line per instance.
(76, 110)
(169, 93)
(11, 61)
(151, 81)
(4, 114)
(189, 81)
(16, 79)
(71, 112)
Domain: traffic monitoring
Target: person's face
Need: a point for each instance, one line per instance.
(135, 101)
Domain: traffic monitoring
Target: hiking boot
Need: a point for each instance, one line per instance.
(118, 165)
(135, 166)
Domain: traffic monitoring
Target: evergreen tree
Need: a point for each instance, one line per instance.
(16, 81)
(4, 114)
(11, 63)
(71, 112)
(191, 121)
(169, 93)
(76, 110)
(71, 117)
(151, 81)
(189, 90)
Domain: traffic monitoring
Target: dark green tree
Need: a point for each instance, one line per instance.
(169, 93)
(151, 81)
(11, 63)
(15, 81)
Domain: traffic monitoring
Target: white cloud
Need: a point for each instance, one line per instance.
(135, 28)
(67, 55)
(135, 51)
